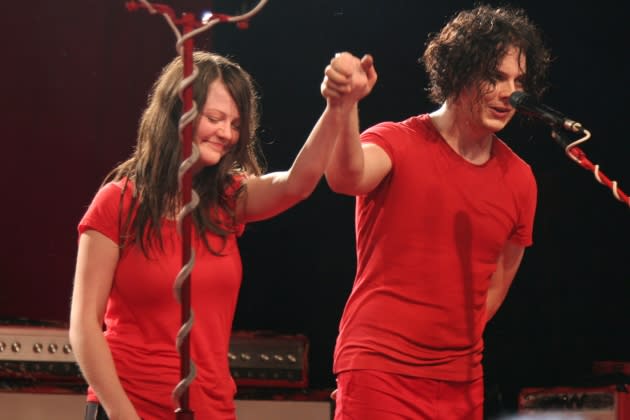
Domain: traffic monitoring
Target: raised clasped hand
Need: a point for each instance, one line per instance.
(348, 79)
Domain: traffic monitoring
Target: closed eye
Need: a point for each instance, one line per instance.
(211, 118)
(518, 82)
(216, 119)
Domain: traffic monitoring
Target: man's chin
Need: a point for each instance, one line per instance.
(495, 126)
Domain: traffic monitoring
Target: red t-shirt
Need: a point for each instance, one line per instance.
(143, 316)
(428, 238)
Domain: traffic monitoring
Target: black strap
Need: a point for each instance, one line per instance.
(94, 411)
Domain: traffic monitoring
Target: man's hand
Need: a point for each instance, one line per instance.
(348, 79)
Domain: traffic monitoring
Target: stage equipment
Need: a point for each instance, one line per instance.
(268, 360)
(560, 125)
(594, 403)
(39, 378)
(53, 405)
(32, 355)
(283, 410)
(526, 104)
(191, 27)
(42, 356)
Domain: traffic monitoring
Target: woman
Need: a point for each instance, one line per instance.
(129, 250)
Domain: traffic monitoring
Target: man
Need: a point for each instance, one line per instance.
(444, 211)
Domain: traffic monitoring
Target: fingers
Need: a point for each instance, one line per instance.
(367, 64)
(338, 76)
(330, 90)
(345, 63)
(335, 84)
(348, 78)
(367, 61)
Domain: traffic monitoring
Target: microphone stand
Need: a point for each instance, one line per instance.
(558, 134)
(190, 28)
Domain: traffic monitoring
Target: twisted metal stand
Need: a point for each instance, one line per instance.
(189, 198)
(578, 156)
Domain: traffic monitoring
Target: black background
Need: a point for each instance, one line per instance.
(76, 75)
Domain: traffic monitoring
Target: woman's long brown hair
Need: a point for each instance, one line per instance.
(153, 166)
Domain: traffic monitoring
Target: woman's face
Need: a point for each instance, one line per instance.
(217, 129)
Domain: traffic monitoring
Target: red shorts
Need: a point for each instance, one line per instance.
(375, 395)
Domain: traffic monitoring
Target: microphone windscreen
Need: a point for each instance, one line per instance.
(519, 99)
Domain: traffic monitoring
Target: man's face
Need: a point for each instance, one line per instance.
(489, 107)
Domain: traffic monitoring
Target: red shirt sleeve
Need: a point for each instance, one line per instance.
(103, 214)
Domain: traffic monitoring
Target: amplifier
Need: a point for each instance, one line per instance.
(36, 353)
(41, 404)
(283, 410)
(597, 403)
(256, 359)
(63, 406)
(263, 359)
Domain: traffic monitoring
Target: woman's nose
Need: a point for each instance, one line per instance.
(225, 131)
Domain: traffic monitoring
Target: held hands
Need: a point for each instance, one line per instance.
(348, 79)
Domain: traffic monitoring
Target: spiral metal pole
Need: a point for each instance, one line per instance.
(189, 198)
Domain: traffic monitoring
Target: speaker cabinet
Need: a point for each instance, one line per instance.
(563, 403)
(283, 410)
(55, 406)
(35, 406)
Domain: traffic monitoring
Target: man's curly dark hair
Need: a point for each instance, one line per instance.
(468, 49)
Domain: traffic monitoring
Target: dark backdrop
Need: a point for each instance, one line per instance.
(76, 75)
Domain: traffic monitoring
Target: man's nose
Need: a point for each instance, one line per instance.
(508, 87)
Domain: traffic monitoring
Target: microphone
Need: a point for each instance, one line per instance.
(528, 105)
